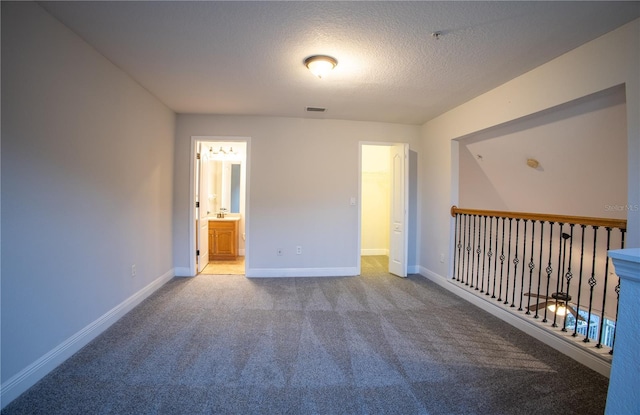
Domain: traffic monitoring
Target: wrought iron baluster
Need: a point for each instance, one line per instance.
(613, 336)
(524, 252)
(468, 248)
(532, 266)
(568, 277)
(501, 261)
(559, 277)
(495, 263)
(592, 281)
(464, 244)
(575, 330)
(478, 252)
(549, 267)
(613, 339)
(604, 289)
(489, 255)
(539, 268)
(506, 291)
(456, 253)
(473, 257)
(484, 250)
(461, 244)
(516, 261)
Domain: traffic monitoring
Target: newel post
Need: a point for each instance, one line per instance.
(623, 396)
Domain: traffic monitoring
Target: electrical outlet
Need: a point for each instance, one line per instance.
(133, 270)
(442, 258)
(298, 250)
(279, 252)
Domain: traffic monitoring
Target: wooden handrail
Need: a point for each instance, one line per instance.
(578, 220)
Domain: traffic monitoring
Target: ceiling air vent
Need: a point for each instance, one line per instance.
(316, 109)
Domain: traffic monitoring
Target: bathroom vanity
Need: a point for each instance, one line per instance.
(223, 238)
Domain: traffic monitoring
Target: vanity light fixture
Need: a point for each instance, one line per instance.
(221, 153)
(320, 65)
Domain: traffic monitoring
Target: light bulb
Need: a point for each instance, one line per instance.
(320, 65)
(561, 311)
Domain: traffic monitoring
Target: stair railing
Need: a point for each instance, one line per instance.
(554, 267)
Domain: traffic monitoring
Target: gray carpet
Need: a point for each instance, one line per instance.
(374, 344)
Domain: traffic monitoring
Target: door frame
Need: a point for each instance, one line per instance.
(192, 196)
(198, 177)
(405, 202)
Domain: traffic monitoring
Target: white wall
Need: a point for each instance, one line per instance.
(608, 61)
(582, 151)
(302, 174)
(87, 171)
(376, 200)
(476, 190)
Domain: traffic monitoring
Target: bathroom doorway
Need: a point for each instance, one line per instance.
(219, 188)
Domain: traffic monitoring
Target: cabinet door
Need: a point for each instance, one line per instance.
(225, 242)
(223, 239)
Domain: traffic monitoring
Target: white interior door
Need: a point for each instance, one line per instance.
(203, 210)
(399, 202)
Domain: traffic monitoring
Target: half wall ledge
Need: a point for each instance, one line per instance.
(623, 396)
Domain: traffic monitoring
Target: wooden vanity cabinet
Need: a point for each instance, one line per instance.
(223, 239)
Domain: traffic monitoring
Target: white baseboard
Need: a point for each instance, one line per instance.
(563, 345)
(28, 376)
(300, 272)
(374, 251)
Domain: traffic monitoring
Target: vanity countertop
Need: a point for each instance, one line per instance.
(225, 219)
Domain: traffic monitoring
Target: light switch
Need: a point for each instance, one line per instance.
(353, 201)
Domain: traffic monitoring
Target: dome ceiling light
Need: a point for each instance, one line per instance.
(320, 65)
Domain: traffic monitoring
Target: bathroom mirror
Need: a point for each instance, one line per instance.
(225, 181)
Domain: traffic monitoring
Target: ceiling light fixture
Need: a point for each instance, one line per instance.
(320, 65)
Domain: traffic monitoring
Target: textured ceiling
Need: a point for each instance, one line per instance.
(246, 57)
